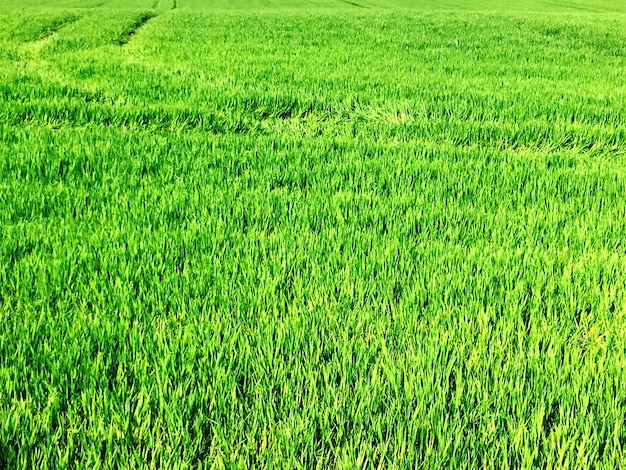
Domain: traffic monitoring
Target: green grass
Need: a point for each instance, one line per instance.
(313, 235)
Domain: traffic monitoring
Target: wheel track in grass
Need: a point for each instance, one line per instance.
(134, 28)
(55, 26)
(354, 4)
(33, 47)
(141, 21)
(35, 62)
(30, 51)
(156, 3)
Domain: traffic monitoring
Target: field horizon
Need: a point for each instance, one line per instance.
(347, 234)
(525, 6)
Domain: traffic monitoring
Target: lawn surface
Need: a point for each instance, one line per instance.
(312, 235)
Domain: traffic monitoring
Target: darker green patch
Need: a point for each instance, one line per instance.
(139, 22)
(40, 27)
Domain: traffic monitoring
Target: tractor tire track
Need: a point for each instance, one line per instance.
(354, 4)
(54, 27)
(134, 28)
(141, 21)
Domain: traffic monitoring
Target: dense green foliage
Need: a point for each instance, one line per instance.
(312, 237)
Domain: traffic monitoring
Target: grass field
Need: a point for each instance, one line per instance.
(318, 234)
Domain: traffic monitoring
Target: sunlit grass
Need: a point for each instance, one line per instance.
(312, 237)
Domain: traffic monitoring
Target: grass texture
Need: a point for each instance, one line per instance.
(245, 235)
